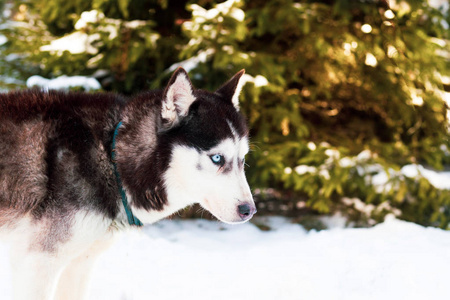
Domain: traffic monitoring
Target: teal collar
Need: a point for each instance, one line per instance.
(132, 220)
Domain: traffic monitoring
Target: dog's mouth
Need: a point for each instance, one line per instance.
(240, 214)
(206, 204)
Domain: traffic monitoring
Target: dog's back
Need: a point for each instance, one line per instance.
(51, 142)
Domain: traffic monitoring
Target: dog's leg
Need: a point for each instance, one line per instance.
(35, 275)
(75, 279)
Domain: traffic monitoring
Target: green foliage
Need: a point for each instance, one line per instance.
(340, 94)
(132, 41)
(357, 77)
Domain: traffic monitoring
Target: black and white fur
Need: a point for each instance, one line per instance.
(59, 199)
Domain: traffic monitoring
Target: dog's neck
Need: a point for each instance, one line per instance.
(140, 157)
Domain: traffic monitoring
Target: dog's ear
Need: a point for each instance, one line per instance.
(177, 97)
(232, 88)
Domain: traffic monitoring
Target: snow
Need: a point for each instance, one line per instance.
(191, 63)
(64, 82)
(199, 259)
(224, 8)
(303, 169)
(86, 17)
(440, 180)
(3, 39)
(76, 43)
(258, 80)
(208, 260)
(442, 5)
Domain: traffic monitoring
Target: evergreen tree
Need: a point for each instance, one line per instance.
(339, 93)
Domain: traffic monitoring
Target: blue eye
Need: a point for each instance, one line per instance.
(218, 159)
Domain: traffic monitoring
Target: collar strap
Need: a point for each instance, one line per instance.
(132, 220)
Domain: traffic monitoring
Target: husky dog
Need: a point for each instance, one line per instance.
(76, 167)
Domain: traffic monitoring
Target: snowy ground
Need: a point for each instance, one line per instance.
(208, 260)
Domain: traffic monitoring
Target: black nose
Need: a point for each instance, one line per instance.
(246, 211)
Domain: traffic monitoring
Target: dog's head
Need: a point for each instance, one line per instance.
(208, 138)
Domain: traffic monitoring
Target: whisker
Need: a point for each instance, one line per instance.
(201, 210)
